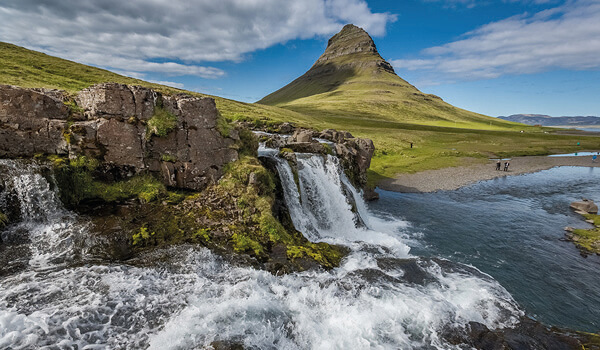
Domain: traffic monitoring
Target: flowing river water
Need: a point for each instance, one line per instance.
(412, 273)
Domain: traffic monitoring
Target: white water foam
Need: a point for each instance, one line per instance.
(321, 209)
(377, 299)
(51, 229)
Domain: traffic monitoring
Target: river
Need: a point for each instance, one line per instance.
(418, 266)
(511, 228)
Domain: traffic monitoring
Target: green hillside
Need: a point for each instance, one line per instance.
(444, 136)
(28, 68)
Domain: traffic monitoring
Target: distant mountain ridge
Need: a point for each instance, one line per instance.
(546, 120)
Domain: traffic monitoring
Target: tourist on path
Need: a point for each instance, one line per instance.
(498, 164)
(506, 166)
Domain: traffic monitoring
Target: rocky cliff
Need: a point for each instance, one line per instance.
(349, 41)
(131, 129)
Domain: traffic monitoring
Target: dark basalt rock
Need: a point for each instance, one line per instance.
(526, 335)
(354, 153)
(110, 125)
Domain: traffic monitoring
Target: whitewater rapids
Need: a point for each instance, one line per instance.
(380, 297)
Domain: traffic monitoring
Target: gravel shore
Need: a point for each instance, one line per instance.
(456, 177)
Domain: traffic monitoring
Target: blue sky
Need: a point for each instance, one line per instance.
(493, 57)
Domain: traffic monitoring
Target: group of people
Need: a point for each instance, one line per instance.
(499, 165)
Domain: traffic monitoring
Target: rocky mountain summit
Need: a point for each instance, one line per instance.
(351, 40)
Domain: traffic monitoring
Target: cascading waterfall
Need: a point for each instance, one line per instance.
(380, 296)
(50, 228)
(326, 207)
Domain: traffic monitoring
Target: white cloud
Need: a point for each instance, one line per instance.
(565, 37)
(174, 36)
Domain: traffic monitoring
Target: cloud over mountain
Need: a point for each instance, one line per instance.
(174, 37)
(564, 37)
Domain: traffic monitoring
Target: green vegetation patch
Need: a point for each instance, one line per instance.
(168, 158)
(235, 215)
(588, 240)
(161, 123)
(320, 252)
(3, 220)
(76, 182)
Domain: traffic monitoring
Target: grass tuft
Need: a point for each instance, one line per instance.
(161, 123)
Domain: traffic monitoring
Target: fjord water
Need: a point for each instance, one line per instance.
(512, 229)
(382, 295)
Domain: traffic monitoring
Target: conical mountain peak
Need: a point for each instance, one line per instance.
(350, 40)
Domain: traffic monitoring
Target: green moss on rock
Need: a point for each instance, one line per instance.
(236, 216)
(161, 123)
(168, 158)
(77, 183)
(588, 241)
(323, 253)
(3, 220)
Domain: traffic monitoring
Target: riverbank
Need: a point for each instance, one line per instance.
(457, 177)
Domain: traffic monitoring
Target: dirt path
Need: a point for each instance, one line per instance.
(456, 177)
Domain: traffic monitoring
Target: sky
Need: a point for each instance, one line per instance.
(497, 58)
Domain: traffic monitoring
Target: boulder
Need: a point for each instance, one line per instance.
(117, 100)
(335, 136)
(286, 128)
(586, 206)
(306, 147)
(276, 141)
(302, 135)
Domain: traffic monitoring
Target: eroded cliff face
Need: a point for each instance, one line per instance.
(131, 129)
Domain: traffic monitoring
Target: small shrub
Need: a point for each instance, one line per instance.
(142, 237)
(168, 158)
(223, 126)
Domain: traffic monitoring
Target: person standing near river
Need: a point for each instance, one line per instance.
(498, 164)
(506, 165)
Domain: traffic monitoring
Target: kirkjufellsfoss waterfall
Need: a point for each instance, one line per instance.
(380, 296)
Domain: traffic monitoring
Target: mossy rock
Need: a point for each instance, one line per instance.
(235, 217)
(588, 241)
(77, 182)
(161, 123)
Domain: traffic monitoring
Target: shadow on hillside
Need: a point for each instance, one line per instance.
(319, 79)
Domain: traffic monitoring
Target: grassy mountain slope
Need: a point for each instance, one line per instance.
(28, 68)
(435, 146)
(351, 79)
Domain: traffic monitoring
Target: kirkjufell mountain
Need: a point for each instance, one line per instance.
(351, 79)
